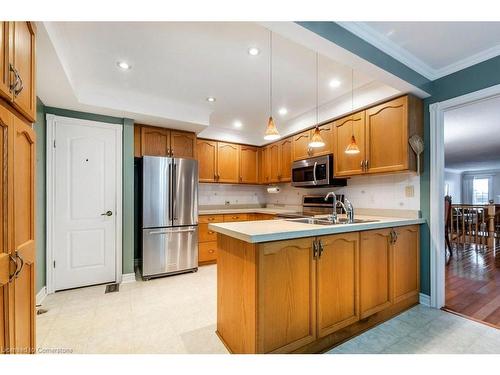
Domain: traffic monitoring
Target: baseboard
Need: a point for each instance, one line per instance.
(425, 299)
(128, 278)
(40, 296)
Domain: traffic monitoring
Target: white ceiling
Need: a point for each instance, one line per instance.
(177, 65)
(433, 49)
(472, 136)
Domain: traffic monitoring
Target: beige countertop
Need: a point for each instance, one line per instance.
(256, 210)
(275, 230)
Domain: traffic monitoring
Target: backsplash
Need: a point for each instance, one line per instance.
(219, 194)
(383, 191)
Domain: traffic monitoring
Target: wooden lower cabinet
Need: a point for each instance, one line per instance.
(207, 239)
(283, 297)
(286, 310)
(338, 282)
(375, 271)
(17, 236)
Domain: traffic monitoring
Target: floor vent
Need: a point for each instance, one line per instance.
(112, 288)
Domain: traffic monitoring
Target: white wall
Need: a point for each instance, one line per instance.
(495, 173)
(385, 191)
(453, 179)
(218, 194)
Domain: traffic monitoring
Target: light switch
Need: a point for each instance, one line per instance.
(409, 191)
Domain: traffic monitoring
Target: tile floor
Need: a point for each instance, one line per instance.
(178, 314)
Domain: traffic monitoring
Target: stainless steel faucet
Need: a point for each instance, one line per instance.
(346, 205)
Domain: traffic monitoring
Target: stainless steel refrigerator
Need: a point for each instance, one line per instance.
(169, 216)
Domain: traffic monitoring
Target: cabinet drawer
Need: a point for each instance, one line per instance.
(207, 252)
(205, 234)
(210, 219)
(235, 217)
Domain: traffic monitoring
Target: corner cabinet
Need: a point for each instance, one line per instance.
(382, 134)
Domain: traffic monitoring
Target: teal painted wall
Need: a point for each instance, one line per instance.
(128, 185)
(477, 77)
(40, 198)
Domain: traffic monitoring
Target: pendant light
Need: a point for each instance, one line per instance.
(316, 139)
(271, 133)
(352, 148)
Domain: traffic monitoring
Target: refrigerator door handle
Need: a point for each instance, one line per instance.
(172, 231)
(159, 232)
(174, 191)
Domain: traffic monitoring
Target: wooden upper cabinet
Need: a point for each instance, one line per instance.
(375, 271)
(249, 164)
(285, 161)
(207, 160)
(406, 262)
(4, 60)
(274, 160)
(137, 141)
(387, 136)
(338, 282)
(286, 302)
(23, 60)
(182, 144)
(326, 132)
(344, 128)
(301, 149)
(228, 162)
(265, 169)
(155, 141)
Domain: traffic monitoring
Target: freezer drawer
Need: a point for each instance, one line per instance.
(169, 250)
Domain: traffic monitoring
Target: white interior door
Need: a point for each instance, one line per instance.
(86, 202)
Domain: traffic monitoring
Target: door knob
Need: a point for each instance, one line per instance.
(107, 213)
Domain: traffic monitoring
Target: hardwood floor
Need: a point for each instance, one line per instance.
(473, 282)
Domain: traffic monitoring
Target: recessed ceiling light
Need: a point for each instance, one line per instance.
(123, 65)
(211, 99)
(283, 111)
(237, 124)
(334, 83)
(253, 51)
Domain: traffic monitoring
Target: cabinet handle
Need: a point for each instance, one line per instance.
(210, 232)
(320, 248)
(18, 91)
(235, 217)
(211, 251)
(366, 165)
(315, 249)
(211, 219)
(13, 86)
(362, 165)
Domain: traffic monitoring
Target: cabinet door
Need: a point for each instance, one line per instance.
(5, 208)
(266, 166)
(207, 160)
(285, 162)
(286, 295)
(22, 288)
(375, 271)
(338, 285)
(137, 141)
(155, 141)
(274, 159)
(344, 128)
(406, 262)
(4, 60)
(301, 149)
(387, 136)
(326, 132)
(182, 144)
(24, 62)
(228, 162)
(249, 164)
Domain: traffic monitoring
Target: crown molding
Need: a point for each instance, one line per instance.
(380, 41)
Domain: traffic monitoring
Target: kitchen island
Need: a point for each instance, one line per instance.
(290, 287)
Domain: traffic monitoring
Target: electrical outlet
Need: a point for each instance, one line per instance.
(227, 203)
(409, 191)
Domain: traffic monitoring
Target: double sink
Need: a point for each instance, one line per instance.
(325, 221)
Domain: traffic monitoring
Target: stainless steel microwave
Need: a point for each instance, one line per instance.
(315, 172)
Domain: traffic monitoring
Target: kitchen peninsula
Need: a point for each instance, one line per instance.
(290, 287)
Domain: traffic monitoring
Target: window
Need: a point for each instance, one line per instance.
(480, 191)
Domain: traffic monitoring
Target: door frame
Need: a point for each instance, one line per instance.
(50, 175)
(436, 218)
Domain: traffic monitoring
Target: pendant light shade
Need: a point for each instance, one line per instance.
(352, 148)
(316, 139)
(271, 133)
